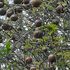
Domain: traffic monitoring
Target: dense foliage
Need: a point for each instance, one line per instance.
(34, 35)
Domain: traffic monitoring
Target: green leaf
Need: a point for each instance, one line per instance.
(52, 27)
(50, 7)
(8, 46)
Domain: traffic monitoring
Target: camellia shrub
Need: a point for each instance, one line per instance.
(34, 35)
